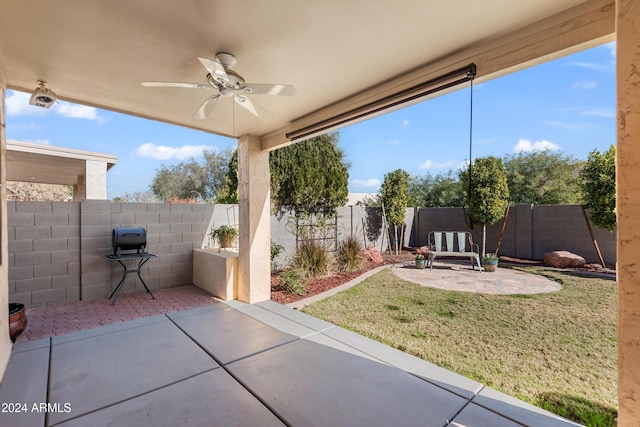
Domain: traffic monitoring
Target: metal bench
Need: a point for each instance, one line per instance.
(452, 244)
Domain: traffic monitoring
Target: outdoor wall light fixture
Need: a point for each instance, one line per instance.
(43, 96)
(413, 93)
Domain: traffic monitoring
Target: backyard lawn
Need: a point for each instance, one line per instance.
(556, 350)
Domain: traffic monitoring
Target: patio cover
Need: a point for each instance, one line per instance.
(340, 56)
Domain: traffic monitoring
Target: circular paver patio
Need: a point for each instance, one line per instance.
(460, 277)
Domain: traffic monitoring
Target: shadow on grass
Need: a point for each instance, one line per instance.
(578, 409)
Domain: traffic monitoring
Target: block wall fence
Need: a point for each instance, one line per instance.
(57, 250)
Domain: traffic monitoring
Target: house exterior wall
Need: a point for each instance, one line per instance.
(5, 341)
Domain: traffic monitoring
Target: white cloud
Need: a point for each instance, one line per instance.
(17, 104)
(394, 142)
(588, 65)
(585, 84)
(430, 164)
(75, 111)
(162, 152)
(405, 123)
(368, 183)
(609, 113)
(528, 146)
(483, 141)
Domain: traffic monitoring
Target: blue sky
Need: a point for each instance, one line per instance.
(567, 104)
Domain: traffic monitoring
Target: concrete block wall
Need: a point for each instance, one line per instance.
(57, 251)
(530, 231)
(44, 252)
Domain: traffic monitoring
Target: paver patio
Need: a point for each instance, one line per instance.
(236, 364)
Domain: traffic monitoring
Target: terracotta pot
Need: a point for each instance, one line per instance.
(17, 320)
(491, 266)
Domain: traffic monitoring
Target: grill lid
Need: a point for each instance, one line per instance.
(128, 241)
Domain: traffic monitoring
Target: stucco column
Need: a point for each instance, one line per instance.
(5, 341)
(628, 210)
(254, 279)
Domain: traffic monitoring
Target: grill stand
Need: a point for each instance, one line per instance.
(140, 260)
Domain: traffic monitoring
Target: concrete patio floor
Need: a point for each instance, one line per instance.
(233, 364)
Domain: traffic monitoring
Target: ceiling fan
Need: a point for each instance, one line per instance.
(227, 83)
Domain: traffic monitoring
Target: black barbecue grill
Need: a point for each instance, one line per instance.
(128, 241)
(129, 244)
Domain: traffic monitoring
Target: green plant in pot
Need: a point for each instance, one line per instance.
(490, 262)
(420, 261)
(225, 235)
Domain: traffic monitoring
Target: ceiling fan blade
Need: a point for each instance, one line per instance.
(177, 84)
(270, 89)
(206, 107)
(252, 106)
(214, 68)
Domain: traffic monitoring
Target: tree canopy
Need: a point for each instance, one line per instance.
(542, 178)
(489, 190)
(394, 195)
(435, 191)
(599, 187)
(310, 176)
(190, 179)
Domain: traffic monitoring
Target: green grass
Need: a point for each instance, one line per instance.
(556, 350)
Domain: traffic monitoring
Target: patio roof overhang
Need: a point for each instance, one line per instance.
(27, 162)
(339, 55)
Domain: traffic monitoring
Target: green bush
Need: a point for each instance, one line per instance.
(293, 281)
(312, 259)
(276, 250)
(350, 256)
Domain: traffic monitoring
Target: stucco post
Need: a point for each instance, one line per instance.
(628, 210)
(254, 280)
(5, 341)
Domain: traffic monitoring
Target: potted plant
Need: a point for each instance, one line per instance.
(225, 235)
(490, 262)
(420, 261)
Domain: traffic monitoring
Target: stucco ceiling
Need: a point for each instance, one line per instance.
(97, 52)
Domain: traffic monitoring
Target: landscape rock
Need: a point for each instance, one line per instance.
(563, 259)
(372, 254)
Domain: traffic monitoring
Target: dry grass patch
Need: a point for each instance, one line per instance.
(555, 350)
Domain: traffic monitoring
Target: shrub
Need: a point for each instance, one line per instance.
(276, 250)
(293, 281)
(349, 256)
(312, 259)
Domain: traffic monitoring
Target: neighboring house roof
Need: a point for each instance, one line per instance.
(29, 162)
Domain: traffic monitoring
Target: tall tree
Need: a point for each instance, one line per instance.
(542, 178)
(310, 176)
(599, 187)
(395, 197)
(190, 179)
(435, 191)
(489, 192)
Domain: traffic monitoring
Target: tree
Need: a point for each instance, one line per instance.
(542, 178)
(136, 197)
(310, 176)
(190, 179)
(307, 177)
(598, 182)
(439, 191)
(394, 196)
(489, 192)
